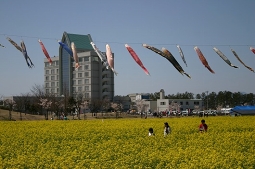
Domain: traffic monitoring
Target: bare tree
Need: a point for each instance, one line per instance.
(1, 101)
(174, 107)
(75, 103)
(11, 104)
(72, 104)
(46, 104)
(85, 106)
(38, 91)
(117, 107)
(95, 105)
(79, 100)
(141, 107)
(1, 96)
(106, 104)
(20, 106)
(56, 105)
(27, 102)
(65, 96)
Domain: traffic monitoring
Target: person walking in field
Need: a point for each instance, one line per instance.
(167, 129)
(202, 127)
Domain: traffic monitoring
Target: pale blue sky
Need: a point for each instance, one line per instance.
(223, 24)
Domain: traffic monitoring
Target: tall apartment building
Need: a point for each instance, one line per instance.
(91, 79)
(51, 75)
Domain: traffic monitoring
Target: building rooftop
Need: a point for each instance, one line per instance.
(82, 42)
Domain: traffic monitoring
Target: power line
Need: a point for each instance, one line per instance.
(30, 37)
(160, 44)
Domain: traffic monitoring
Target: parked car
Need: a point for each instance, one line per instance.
(194, 112)
(173, 112)
(201, 113)
(185, 113)
(212, 113)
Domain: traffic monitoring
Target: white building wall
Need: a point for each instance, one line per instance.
(179, 104)
(51, 75)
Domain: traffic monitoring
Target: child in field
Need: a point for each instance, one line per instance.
(151, 133)
(167, 129)
(203, 127)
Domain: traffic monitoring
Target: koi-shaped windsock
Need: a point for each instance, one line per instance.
(110, 58)
(100, 55)
(45, 51)
(203, 59)
(224, 57)
(75, 56)
(136, 58)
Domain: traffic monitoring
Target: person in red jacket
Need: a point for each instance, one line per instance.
(203, 127)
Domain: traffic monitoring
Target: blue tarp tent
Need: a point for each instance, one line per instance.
(243, 110)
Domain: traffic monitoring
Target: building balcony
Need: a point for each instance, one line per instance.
(106, 92)
(106, 79)
(107, 72)
(106, 86)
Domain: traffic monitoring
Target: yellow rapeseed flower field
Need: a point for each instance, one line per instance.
(124, 143)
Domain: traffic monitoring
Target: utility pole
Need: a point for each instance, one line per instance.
(207, 100)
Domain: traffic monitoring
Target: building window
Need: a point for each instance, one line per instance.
(57, 84)
(86, 88)
(187, 103)
(52, 90)
(79, 74)
(52, 71)
(47, 84)
(47, 64)
(86, 80)
(57, 90)
(47, 91)
(57, 63)
(74, 89)
(47, 78)
(80, 68)
(47, 72)
(52, 84)
(57, 77)
(57, 70)
(86, 67)
(86, 95)
(162, 103)
(74, 82)
(80, 59)
(181, 103)
(79, 82)
(196, 103)
(86, 59)
(86, 74)
(79, 89)
(96, 59)
(52, 77)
